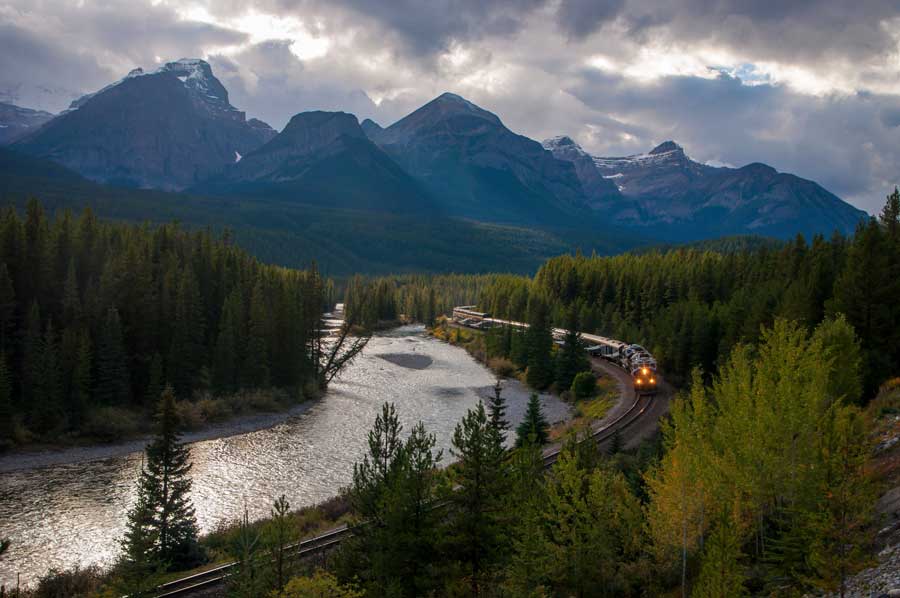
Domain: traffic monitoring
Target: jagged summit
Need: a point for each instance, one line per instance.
(560, 141)
(666, 147)
(196, 75)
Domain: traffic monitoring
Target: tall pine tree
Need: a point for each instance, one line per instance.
(480, 483)
(534, 429)
(166, 483)
(497, 410)
(539, 343)
(571, 359)
(256, 368)
(7, 423)
(113, 386)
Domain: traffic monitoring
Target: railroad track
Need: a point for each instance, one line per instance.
(212, 578)
(207, 581)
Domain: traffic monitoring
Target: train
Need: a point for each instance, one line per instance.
(633, 358)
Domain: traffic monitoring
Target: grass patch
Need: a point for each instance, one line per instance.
(589, 410)
(595, 408)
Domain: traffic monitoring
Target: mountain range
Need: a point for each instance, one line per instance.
(666, 192)
(174, 129)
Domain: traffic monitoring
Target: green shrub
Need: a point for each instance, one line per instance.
(189, 415)
(74, 583)
(263, 400)
(584, 386)
(108, 424)
(502, 366)
(213, 410)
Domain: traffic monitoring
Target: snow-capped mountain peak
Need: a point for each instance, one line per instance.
(560, 141)
(194, 73)
(666, 147)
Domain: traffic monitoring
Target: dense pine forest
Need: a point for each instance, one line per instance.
(97, 318)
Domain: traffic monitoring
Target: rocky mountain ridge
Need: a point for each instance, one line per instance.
(667, 192)
(167, 129)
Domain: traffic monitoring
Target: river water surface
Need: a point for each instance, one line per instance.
(63, 515)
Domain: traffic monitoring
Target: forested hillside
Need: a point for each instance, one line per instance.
(292, 233)
(95, 318)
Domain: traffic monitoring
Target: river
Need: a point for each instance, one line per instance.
(72, 513)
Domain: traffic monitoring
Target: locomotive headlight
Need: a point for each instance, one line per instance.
(652, 380)
(639, 381)
(644, 371)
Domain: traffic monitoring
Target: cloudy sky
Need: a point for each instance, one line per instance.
(810, 87)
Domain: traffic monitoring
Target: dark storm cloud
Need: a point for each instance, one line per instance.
(430, 25)
(806, 30)
(582, 17)
(34, 73)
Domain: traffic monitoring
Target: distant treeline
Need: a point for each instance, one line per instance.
(690, 306)
(421, 297)
(97, 315)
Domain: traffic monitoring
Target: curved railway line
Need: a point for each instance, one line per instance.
(207, 583)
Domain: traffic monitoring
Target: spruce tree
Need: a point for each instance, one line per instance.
(47, 413)
(530, 563)
(247, 581)
(226, 361)
(373, 497)
(571, 359)
(534, 429)
(414, 522)
(139, 568)
(616, 444)
(7, 421)
(71, 296)
(431, 308)
(497, 409)
(539, 343)
(256, 359)
(155, 380)
(113, 386)
(863, 293)
(186, 354)
(7, 309)
(277, 534)
(480, 483)
(31, 354)
(167, 484)
(80, 383)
